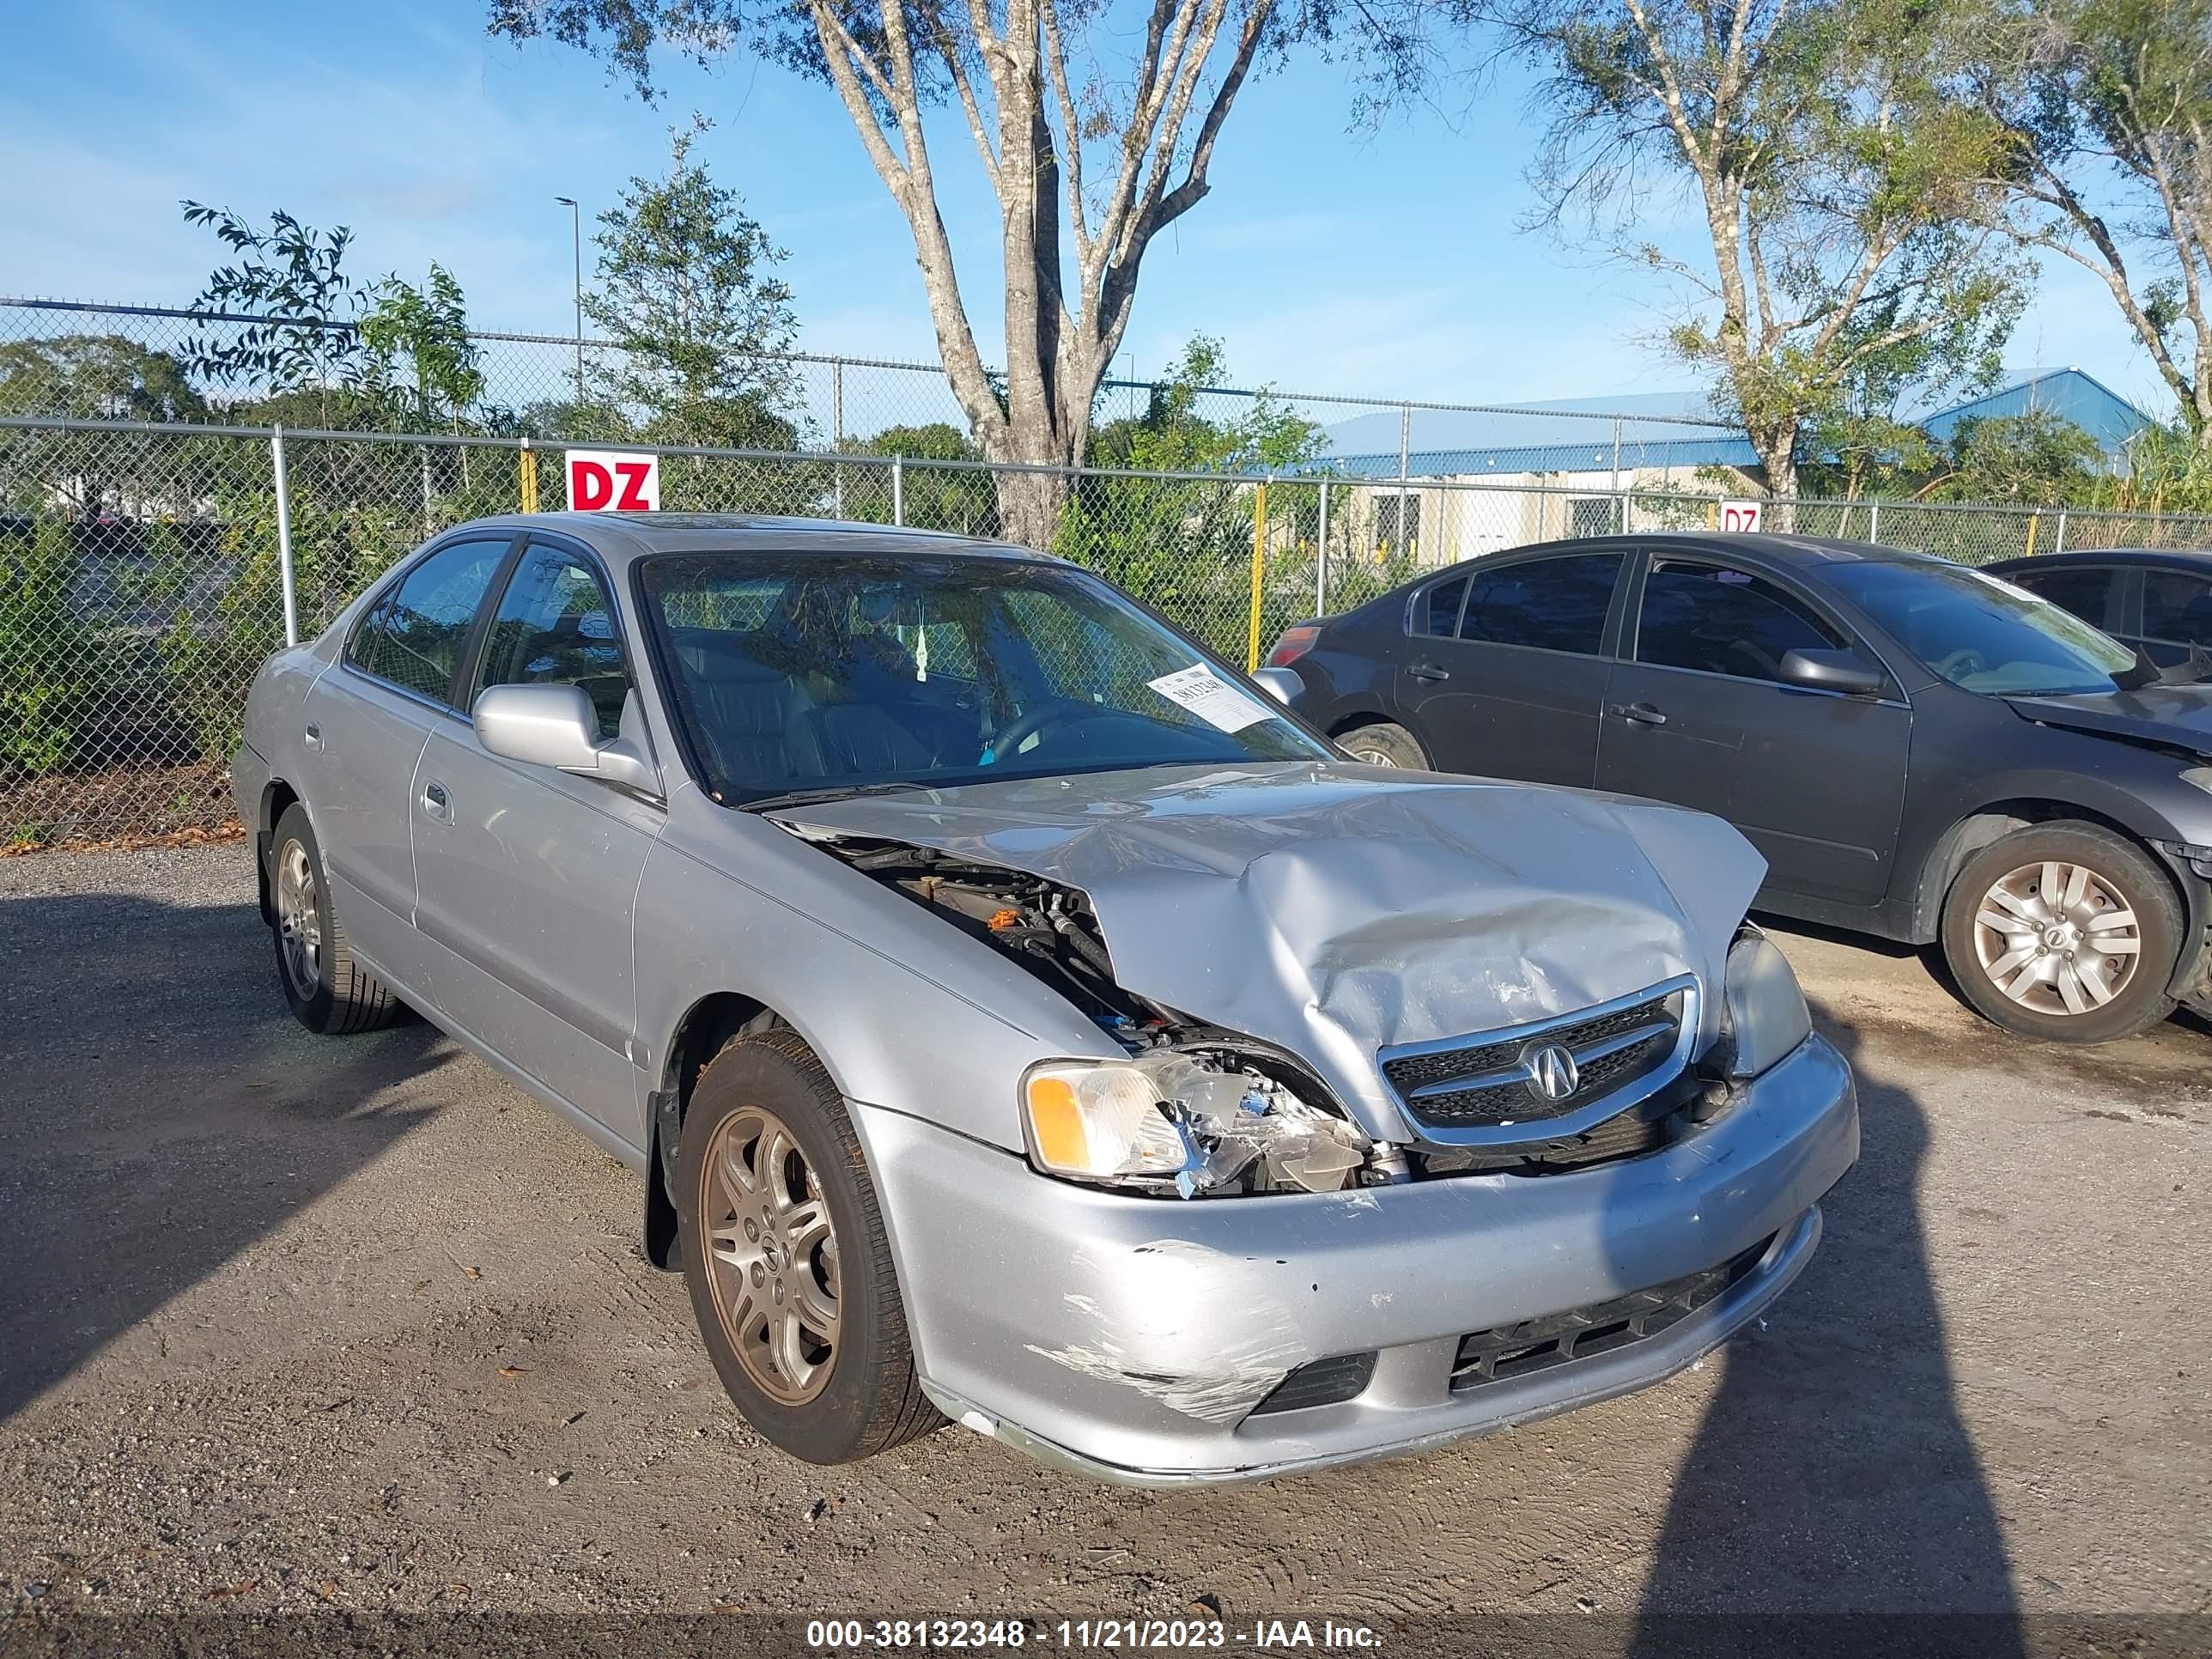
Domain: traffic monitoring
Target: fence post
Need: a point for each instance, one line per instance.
(898, 490)
(837, 427)
(2058, 541)
(526, 469)
(1321, 557)
(284, 536)
(1874, 520)
(1259, 570)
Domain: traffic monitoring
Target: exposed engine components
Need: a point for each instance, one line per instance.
(1241, 1126)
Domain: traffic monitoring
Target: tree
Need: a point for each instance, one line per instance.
(1836, 174)
(292, 278)
(95, 377)
(957, 498)
(2107, 104)
(428, 328)
(2035, 459)
(1171, 436)
(687, 292)
(1090, 149)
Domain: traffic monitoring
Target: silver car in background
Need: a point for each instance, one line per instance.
(1018, 1015)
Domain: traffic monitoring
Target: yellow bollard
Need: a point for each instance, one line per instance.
(529, 470)
(1259, 570)
(2034, 521)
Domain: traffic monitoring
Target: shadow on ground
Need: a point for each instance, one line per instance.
(127, 1172)
(1833, 1473)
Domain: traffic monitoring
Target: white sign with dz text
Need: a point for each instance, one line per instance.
(1742, 516)
(611, 481)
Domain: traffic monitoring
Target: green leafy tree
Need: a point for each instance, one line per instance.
(2107, 104)
(425, 333)
(936, 497)
(1839, 178)
(50, 660)
(102, 376)
(2035, 459)
(687, 290)
(292, 278)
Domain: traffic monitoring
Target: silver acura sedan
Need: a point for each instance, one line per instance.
(1017, 1015)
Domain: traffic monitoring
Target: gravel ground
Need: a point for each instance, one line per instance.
(294, 1323)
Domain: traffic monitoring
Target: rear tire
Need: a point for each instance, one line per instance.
(328, 991)
(2063, 931)
(1384, 744)
(786, 1258)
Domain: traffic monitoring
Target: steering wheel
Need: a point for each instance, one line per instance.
(1964, 661)
(1019, 729)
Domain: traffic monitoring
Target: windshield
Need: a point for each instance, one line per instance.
(815, 673)
(1985, 634)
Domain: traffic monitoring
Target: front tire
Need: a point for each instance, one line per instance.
(786, 1259)
(2064, 932)
(1383, 744)
(328, 991)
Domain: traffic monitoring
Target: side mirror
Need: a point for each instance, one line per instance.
(1283, 685)
(1831, 670)
(555, 726)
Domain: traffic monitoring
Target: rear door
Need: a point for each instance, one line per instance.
(366, 722)
(1697, 713)
(2176, 616)
(1506, 671)
(527, 874)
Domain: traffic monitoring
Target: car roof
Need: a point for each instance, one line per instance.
(619, 538)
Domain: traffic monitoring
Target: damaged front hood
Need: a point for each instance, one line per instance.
(1331, 908)
(2173, 716)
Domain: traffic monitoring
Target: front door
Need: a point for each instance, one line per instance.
(1697, 713)
(527, 875)
(1507, 684)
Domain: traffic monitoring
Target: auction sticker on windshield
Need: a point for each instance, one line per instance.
(1210, 697)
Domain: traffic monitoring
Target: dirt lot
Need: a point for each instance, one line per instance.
(293, 1323)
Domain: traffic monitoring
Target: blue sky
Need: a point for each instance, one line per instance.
(1384, 264)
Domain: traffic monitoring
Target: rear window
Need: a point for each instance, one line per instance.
(1554, 605)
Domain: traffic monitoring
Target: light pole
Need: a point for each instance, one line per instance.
(576, 232)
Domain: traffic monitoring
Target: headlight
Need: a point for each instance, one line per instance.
(1766, 1014)
(1099, 1122)
(1194, 1123)
(2200, 776)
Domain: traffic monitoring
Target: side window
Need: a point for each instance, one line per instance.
(2087, 593)
(1557, 603)
(2177, 608)
(1724, 621)
(414, 635)
(556, 626)
(1438, 612)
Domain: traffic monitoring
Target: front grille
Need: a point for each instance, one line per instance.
(1322, 1383)
(1499, 1089)
(1510, 1352)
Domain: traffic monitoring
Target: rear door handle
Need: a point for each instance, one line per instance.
(1429, 671)
(313, 735)
(1642, 712)
(437, 803)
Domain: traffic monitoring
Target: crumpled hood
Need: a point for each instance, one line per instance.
(1332, 908)
(2179, 715)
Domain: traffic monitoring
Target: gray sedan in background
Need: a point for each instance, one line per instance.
(1018, 1015)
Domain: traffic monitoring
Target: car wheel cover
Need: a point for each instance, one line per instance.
(2058, 937)
(1372, 754)
(771, 1255)
(299, 918)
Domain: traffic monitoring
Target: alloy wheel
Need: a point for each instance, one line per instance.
(2058, 937)
(771, 1255)
(299, 918)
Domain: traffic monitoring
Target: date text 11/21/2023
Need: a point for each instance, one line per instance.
(1091, 1634)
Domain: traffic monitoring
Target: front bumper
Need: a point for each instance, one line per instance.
(1129, 1338)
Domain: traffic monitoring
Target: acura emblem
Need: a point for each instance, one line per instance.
(1552, 1073)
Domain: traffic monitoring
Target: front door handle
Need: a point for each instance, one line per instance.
(437, 803)
(1429, 671)
(1642, 712)
(313, 735)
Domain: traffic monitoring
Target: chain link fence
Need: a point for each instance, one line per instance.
(146, 570)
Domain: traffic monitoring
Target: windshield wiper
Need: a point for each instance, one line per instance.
(827, 792)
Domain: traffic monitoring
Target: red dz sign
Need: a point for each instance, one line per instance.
(610, 481)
